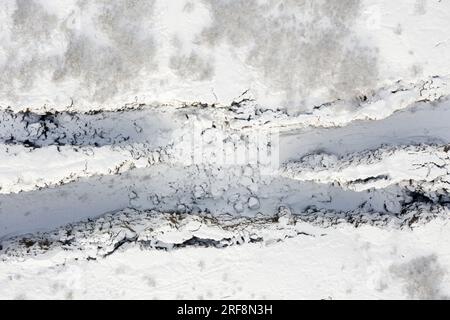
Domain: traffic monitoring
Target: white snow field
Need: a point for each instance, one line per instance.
(224, 149)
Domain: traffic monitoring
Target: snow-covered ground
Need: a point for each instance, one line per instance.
(162, 256)
(224, 149)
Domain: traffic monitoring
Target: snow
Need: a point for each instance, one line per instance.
(333, 263)
(103, 54)
(224, 149)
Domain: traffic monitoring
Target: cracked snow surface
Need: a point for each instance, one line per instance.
(217, 149)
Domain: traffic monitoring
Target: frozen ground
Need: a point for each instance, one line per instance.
(163, 256)
(224, 149)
